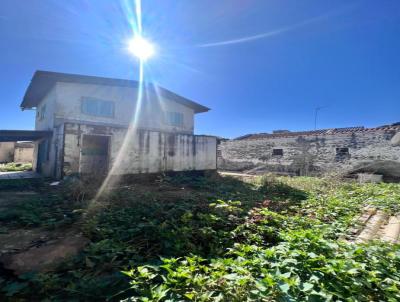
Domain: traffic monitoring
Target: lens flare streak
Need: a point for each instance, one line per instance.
(280, 30)
(116, 166)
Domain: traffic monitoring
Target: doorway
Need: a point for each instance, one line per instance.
(94, 154)
(43, 155)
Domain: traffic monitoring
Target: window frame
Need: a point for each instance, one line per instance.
(99, 103)
(170, 118)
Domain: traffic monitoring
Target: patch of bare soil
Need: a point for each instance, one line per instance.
(38, 249)
(35, 249)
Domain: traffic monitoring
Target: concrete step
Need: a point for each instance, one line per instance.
(391, 231)
(372, 226)
(368, 212)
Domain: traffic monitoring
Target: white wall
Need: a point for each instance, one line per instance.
(143, 151)
(151, 116)
(47, 122)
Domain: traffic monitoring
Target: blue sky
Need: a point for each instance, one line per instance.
(259, 64)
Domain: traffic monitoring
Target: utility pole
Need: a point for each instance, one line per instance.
(316, 115)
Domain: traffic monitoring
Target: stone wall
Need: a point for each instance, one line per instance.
(310, 154)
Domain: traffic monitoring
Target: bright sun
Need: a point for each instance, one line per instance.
(141, 48)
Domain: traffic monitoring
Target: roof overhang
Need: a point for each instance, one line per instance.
(43, 81)
(23, 135)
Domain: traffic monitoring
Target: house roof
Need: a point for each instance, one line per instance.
(332, 131)
(43, 81)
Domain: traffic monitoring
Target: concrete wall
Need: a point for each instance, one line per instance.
(50, 166)
(23, 152)
(7, 152)
(150, 116)
(308, 154)
(45, 120)
(144, 151)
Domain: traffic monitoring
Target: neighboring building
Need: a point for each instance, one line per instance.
(18, 152)
(6, 152)
(23, 152)
(317, 152)
(83, 122)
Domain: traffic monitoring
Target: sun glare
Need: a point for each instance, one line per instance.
(141, 48)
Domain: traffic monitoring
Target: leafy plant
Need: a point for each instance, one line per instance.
(15, 167)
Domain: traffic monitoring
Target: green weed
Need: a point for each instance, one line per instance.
(193, 238)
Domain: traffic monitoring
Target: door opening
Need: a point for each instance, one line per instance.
(94, 154)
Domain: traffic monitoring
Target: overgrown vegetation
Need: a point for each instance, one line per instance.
(21, 184)
(50, 211)
(15, 167)
(220, 239)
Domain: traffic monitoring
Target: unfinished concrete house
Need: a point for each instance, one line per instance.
(86, 124)
(344, 150)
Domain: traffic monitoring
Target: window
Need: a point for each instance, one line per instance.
(277, 152)
(342, 151)
(42, 112)
(342, 154)
(174, 119)
(97, 107)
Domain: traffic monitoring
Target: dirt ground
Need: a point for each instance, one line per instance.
(24, 249)
(40, 248)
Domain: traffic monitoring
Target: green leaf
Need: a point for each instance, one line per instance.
(284, 287)
(307, 286)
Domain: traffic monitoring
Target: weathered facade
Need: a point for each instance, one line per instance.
(143, 151)
(314, 152)
(99, 125)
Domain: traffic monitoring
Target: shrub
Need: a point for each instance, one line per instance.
(14, 167)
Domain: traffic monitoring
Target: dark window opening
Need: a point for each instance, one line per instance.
(342, 154)
(342, 151)
(277, 152)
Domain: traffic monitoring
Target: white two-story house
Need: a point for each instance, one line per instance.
(103, 125)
